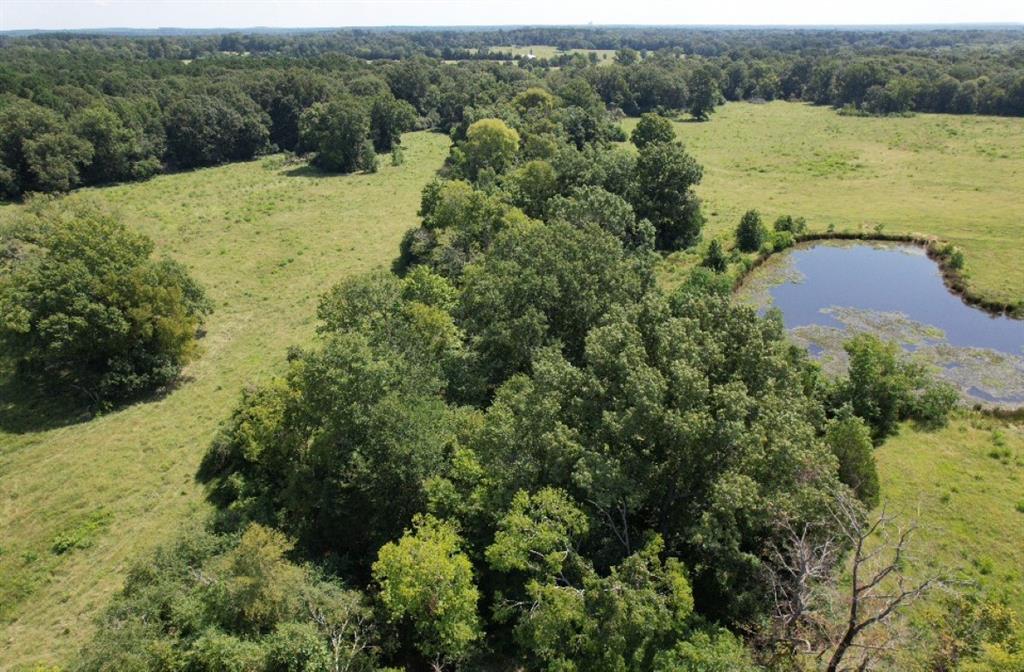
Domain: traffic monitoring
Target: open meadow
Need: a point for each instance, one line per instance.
(81, 498)
(960, 178)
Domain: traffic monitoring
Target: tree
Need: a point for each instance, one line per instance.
(652, 128)
(118, 150)
(426, 578)
(715, 258)
(87, 311)
(204, 130)
(750, 234)
(37, 151)
(531, 185)
(338, 131)
(879, 387)
(593, 205)
(662, 192)
(849, 437)
(389, 118)
(831, 621)
(490, 143)
(703, 92)
(543, 284)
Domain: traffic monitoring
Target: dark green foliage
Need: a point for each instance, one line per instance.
(389, 118)
(793, 225)
(531, 185)
(338, 131)
(704, 94)
(662, 192)
(120, 150)
(355, 423)
(849, 437)
(594, 205)
(652, 128)
(204, 130)
(542, 284)
(883, 388)
(87, 312)
(750, 234)
(715, 258)
(37, 151)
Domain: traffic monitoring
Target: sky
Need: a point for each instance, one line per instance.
(66, 14)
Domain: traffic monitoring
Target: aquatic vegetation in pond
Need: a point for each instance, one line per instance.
(827, 293)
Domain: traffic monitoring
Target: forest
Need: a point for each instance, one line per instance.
(512, 445)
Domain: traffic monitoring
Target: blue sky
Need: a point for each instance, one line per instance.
(58, 14)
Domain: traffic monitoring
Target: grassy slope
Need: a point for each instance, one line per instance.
(957, 177)
(964, 488)
(266, 240)
(962, 485)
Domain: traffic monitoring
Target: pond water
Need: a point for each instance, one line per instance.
(829, 291)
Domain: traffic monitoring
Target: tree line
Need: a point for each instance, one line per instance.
(82, 110)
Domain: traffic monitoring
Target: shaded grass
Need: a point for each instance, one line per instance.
(107, 489)
(956, 177)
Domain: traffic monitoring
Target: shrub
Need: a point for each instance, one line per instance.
(750, 234)
(793, 225)
(715, 258)
(849, 438)
(933, 405)
(779, 241)
(87, 311)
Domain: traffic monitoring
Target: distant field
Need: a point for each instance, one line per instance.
(604, 56)
(957, 177)
(266, 239)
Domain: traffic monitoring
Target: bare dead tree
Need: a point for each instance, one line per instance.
(844, 626)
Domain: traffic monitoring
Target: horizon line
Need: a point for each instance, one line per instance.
(508, 26)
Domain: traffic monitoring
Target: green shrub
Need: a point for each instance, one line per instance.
(750, 234)
(794, 225)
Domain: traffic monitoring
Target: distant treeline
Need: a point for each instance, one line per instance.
(78, 109)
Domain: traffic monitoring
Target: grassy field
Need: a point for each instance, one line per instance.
(604, 56)
(80, 501)
(964, 488)
(957, 177)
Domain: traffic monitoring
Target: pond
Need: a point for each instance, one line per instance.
(829, 291)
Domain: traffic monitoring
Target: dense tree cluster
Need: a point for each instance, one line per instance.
(86, 311)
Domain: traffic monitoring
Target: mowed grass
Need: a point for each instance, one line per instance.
(960, 178)
(604, 56)
(80, 502)
(964, 488)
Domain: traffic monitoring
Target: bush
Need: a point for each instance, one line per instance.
(932, 407)
(849, 438)
(750, 234)
(779, 241)
(87, 311)
(793, 225)
(715, 258)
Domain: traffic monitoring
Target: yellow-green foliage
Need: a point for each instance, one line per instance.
(265, 238)
(956, 177)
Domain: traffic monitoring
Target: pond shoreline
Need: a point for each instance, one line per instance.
(937, 250)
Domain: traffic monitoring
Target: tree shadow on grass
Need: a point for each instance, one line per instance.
(25, 408)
